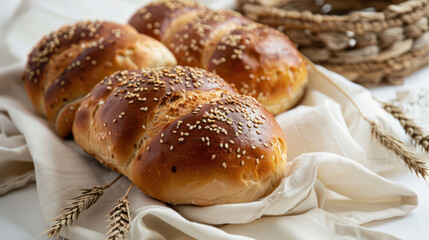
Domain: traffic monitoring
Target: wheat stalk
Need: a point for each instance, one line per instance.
(120, 218)
(386, 139)
(410, 127)
(84, 201)
(389, 141)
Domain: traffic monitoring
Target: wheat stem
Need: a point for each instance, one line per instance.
(84, 201)
(120, 218)
(386, 139)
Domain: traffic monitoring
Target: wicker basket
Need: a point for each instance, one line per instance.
(366, 41)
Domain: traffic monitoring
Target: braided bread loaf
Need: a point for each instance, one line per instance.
(258, 60)
(65, 65)
(183, 136)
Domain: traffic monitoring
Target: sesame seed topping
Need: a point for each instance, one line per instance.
(224, 165)
(171, 148)
(213, 156)
(242, 162)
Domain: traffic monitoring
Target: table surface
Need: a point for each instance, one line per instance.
(21, 216)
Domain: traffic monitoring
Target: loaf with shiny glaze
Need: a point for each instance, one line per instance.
(183, 136)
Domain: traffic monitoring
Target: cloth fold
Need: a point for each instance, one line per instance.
(331, 188)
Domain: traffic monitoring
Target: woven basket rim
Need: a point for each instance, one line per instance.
(394, 15)
(390, 12)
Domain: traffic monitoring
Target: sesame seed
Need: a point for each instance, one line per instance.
(242, 162)
(257, 161)
(143, 126)
(148, 148)
(266, 145)
(224, 165)
(171, 148)
(181, 139)
(213, 156)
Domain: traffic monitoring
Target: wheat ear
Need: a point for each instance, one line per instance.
(389, 141)
(409, 125)
(78, 204)
(119, 218)
(386, 139)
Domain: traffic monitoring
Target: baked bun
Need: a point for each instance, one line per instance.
(66, 64)
(183, 136)
(258, 60)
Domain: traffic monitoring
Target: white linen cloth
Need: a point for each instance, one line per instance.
(330, 189)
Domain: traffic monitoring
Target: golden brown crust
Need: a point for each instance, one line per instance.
(258, 60)
(217, 163)
(156, 18)
(266, 65)
(193, 42)
(183, 136)
(66, 64)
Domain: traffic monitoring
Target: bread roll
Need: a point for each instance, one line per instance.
(183, 136)
(66, 64)
(258, 60)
